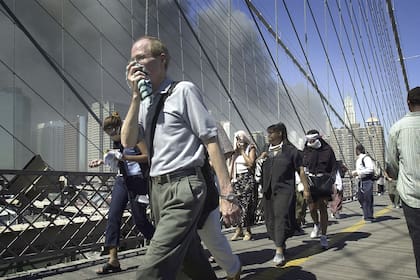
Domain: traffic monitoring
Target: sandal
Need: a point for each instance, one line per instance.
(108, 268)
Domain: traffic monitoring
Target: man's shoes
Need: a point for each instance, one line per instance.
(237, 276)
(278, 259)
(324, 242)
(315, 231)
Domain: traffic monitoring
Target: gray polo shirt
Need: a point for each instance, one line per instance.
(182, 126)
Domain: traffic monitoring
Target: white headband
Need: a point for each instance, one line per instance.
(309, 137)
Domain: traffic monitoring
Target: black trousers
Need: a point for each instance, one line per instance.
(412, 217)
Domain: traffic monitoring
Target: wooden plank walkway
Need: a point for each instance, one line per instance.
(358, 250)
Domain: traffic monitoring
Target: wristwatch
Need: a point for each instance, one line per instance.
(231, 197)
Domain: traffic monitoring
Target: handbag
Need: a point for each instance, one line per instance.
(322, 186)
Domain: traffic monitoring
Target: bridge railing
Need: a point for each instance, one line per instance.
(48, 217)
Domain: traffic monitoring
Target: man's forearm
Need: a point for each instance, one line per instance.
(130, 128)
(219, 166)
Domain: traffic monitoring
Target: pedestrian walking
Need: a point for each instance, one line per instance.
(321, 167)
(403, 161)
(281, 161)
(364, 173)
(178, 130)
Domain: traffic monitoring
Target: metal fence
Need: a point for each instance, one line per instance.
(48, 217)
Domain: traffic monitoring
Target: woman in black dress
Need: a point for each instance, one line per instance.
(281, 160)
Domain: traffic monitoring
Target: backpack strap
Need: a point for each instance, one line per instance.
(156, 111)
(363, 160)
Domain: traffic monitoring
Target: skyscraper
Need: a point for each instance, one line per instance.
(343, 141)
(75, 145)
(15, 115)
(349, 113)
(49, 143)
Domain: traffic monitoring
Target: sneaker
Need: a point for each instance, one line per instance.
(315, 231)
(324, 242)
(332, 215)
(278, 259)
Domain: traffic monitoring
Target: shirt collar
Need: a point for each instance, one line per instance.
(164, 86)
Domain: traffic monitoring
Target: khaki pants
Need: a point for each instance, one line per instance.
(176, 207)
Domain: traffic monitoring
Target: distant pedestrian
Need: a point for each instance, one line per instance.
(403, 161)
(336, 203)
(242, 170)
(393, 194)
(364, 172)
(380, 183)
(320, 166)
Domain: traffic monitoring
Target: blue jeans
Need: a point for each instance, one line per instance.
(365, 196)
(122, 193)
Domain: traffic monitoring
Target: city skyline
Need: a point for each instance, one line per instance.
(250, 75)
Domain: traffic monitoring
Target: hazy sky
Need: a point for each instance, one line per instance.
(408, 23)
(93, 47)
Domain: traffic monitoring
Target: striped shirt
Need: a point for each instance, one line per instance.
(403, 157)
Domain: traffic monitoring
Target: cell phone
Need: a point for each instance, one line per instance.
(141, 68)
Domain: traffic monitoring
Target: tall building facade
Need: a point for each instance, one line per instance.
(49, 143)
(349, 113)
(75, 145)
(371, 137)
(15, 112)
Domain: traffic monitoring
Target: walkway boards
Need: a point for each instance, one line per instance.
(358, 250)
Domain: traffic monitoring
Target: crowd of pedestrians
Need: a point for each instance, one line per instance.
(193, 181)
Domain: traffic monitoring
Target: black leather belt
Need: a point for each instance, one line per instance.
(174, 176)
